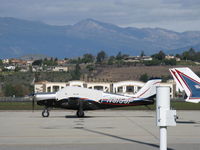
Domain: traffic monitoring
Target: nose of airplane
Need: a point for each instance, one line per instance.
(41, 96)
(44, 96)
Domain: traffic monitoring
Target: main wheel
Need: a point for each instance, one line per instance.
(45, 113)
(80, 113)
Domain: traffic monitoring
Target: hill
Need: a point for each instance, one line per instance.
(134, 72)
(21, 37)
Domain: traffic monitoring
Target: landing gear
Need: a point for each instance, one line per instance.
(80, 113)
(45, 112)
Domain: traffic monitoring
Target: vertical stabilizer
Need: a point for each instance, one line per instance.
(149, 89)
(189, 81)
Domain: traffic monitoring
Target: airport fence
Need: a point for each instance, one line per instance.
(15, 99)
(29, 99)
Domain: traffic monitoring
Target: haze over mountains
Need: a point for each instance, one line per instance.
(21, 37)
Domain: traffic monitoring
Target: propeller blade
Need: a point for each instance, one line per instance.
(33, 104)
(33, 101)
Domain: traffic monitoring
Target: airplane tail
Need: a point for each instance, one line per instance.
(189, 81)
(149, 89)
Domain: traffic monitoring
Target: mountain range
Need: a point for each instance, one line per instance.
(21, 37)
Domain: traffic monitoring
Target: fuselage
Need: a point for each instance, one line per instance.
(80, 99)
(107, 100)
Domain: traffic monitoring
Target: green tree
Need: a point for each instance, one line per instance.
(144, 77)
(17, 69)
(171, 62)
(142, 54)
(90, 67)
(119, 56)
(160, 56)
(37, 62)
(9, 90)
(17, 90)
(76, 74)
(21, 90)
(111, 60)
(1, 62)
(153, 62)
(100, 57)
(50, 62)
(190, 55)
(88, 58)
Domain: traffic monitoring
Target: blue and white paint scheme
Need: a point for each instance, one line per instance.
(189, 81)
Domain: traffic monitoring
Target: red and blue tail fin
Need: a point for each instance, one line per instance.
(189, 81)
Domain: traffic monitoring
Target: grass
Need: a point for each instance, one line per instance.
(18, 106)
(28, 106)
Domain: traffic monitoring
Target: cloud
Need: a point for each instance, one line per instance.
(144, 13)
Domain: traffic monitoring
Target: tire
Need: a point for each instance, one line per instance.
(45, 113)
(80, 114)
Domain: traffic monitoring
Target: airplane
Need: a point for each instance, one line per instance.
(189, 81)
(82, 99)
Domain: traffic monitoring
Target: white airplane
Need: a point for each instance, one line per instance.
(189, 81)
(81, 99)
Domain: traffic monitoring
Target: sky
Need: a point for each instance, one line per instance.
(177, 15)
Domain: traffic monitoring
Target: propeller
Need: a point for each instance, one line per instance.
(33, 101)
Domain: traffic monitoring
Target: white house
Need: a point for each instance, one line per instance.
(122, 87)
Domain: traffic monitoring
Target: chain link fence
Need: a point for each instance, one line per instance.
(15, 99)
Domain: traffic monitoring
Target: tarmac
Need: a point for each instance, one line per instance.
(99, 130)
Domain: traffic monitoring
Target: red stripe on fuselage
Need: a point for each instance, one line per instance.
(117, 104)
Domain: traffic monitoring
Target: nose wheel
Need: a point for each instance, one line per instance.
(45, 113)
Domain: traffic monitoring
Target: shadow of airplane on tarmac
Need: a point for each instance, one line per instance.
(125, 139)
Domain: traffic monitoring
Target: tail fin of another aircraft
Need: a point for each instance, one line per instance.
(149, 89)
(189, 81)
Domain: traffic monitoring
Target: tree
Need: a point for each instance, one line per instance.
(144, 77)
(17, 69)
(76, 74)
(119, 56)
(50, 62)
(171, 62)
(190, 55)
(101, 57)
(88, 58)
(90, 67)
(142, 54)
(159, 56)
(111, 60)
(37, 63)
(9, 90)
(153, 62)
(15, 90)
(1, 62)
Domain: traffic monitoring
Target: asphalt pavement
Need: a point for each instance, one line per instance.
(99, 130)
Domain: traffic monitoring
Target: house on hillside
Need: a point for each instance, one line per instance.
(137, 58)
(172, 57)
(11, 68)
(60, 69)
